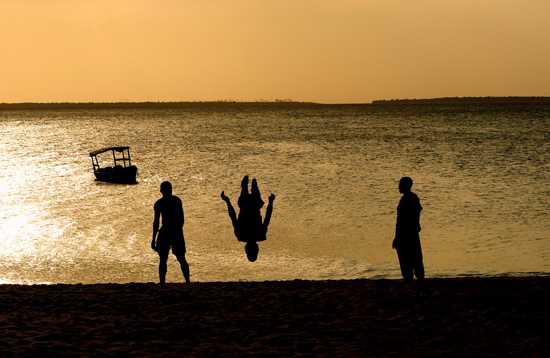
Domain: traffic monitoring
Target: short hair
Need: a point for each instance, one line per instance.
(165, 187)
(407, 182)
(251, 248)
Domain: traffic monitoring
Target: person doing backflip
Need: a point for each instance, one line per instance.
(407, 229)
(248, 226)
(170, 235)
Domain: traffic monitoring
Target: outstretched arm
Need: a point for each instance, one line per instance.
(230, 210)
(269, 211)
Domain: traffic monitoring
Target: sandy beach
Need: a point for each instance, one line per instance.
(465, 316)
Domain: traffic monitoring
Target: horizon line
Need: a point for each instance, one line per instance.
(500, 99)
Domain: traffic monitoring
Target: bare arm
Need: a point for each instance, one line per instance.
(155, 228)
(230, 210)
(269, 211)
(418, 216)
(394, 242)
(182, 215)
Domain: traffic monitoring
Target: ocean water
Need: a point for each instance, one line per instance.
(482, 174)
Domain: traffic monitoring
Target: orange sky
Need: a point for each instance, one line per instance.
(324, 51)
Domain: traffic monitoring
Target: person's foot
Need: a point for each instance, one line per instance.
(224, 197)
(272, 198)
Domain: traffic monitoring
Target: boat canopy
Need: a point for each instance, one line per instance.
(106, 149)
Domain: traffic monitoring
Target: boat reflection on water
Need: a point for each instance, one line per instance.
(122, 171)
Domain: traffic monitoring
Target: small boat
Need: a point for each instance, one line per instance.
(122, 171)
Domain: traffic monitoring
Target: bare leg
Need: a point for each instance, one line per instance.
(163, 267)
(184, 268)
(243, 198)
(257, 201)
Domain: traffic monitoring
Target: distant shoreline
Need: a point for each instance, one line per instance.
(465, 100)
(513, 100)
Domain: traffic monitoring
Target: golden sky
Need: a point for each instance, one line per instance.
(310, 50)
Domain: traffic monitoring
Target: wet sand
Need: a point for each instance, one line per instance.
(463, 316)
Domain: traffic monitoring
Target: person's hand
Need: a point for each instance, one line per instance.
(153, 245)
(272, 198)
(224, 197)
(394, 244)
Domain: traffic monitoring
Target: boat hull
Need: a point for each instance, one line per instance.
(118, 174)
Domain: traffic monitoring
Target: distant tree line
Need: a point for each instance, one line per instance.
(465, 100)
(225, 104)
(275, 104)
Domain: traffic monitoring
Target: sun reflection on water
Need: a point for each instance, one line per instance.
(334, 177)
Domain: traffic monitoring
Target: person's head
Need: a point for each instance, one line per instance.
(166, 188)
(251, 249)
(405, 185)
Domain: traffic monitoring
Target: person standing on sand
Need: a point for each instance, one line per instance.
(407, 229)
(248, 226)
(170, 235)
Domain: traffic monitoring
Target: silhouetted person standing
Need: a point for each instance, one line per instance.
(248, 226)
(170, 235)
(407, 229)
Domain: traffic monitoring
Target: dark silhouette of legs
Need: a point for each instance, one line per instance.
(243, 201)
(184, 268)
(418, 265)
(405, 263)
(163, 267)
(255, 196)
(409, 253)
(176, 242)
(249, 218)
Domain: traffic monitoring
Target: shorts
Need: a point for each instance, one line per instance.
(167, 240)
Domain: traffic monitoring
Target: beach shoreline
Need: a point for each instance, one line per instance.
(462, 316)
